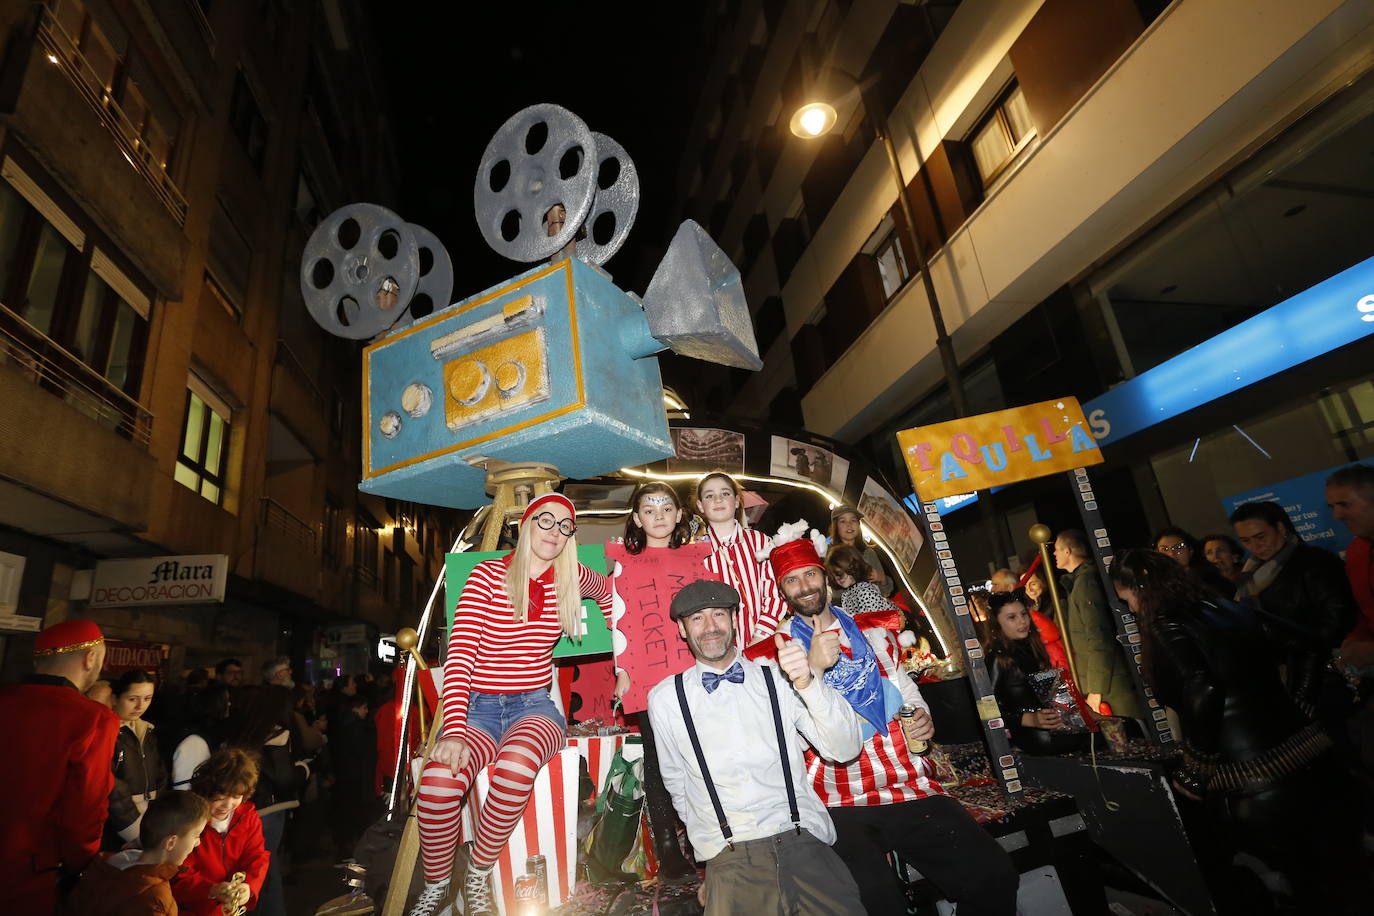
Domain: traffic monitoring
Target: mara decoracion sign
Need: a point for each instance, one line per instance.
(196, 579)
(998, 448)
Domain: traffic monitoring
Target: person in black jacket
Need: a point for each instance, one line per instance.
(1305, 601)
(1015, 651)
(140, 773)
(353, 750)
(266, 732)
(1263, 773)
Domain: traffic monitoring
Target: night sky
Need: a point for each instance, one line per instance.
(455, 75)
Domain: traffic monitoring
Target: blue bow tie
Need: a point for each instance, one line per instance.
(710, 680)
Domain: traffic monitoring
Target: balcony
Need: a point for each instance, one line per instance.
(288, 552)
(74, 436)
(64, 113)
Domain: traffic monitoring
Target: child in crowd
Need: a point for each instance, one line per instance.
(135, 882)
(231, 841)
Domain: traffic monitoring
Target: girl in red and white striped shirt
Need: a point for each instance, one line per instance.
(734, 557)
(497, 708)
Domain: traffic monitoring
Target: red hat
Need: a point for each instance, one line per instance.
(793, 555)
(544, 500)
(67, 636)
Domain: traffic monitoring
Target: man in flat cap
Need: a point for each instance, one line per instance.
(57, 775)
(727, 731)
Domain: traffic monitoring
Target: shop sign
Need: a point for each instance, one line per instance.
(197, 579)
(1304, 499)
(1337, 311)
(998, 448)
(123, 655)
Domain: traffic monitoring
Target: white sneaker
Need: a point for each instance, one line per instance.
(432, 900)
(477, 894)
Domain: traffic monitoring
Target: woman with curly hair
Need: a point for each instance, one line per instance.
(1263, 772)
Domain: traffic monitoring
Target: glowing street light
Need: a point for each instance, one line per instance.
(813, 120)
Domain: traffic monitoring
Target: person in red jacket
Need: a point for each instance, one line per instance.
(231, 842)
(57, 778)
(1350, 494)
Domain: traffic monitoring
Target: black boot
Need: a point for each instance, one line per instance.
(673, 866)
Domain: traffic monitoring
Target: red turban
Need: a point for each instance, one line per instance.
(794, 555)
(68, 636)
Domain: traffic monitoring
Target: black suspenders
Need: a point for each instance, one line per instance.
(706, 772)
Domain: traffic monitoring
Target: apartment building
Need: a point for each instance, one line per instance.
(163, 392)
(1116, 200)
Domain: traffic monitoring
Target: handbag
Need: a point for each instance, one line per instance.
(613, 833)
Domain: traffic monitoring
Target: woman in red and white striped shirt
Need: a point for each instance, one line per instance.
(497, 708)
(734, 557)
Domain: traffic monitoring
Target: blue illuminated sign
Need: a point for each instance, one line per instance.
(1337, 311)
(946, 504)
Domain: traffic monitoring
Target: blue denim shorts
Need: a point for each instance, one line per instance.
(495, 713)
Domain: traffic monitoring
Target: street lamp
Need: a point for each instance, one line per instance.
(818, 118)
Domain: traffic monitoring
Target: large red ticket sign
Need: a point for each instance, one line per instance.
(652, 648)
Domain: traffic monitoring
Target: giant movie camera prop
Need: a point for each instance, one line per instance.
(554, 366)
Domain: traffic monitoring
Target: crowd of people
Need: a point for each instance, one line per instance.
(150, 798)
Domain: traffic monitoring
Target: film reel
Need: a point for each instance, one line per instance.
(541, 157)
(359, 271)
(436, 274)
(615, 204)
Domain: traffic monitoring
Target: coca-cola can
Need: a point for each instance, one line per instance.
(538, 866)
(526, 892)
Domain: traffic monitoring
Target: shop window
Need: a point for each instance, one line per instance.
(204, 441)
(1002, 135)
(247, 121)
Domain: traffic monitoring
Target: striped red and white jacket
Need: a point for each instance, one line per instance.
(489, 651)
(736, 561)
(884, 773)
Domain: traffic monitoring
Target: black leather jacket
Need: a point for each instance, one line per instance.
(1015, 697)
(138, 770)
(1216, 667)
(1309, 608)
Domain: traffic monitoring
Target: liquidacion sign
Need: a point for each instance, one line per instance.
(998, 448)
(198, 579)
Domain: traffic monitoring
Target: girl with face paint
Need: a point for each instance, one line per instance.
(657, 522)
(735, 557)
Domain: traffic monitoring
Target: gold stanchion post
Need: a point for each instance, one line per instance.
(1042, 535)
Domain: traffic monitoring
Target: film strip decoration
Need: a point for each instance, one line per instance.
(1127, 629)
(995, 732)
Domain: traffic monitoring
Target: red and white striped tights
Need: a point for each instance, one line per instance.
(526, 747)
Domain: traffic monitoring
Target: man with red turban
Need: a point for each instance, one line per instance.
(57, 776)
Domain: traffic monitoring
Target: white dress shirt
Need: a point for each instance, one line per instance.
(739, 740)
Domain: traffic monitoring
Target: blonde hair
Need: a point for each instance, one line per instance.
(566, 582)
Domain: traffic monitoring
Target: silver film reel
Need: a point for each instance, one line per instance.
(543, 156)
(359, 271)
(615, 204)
(436, 274)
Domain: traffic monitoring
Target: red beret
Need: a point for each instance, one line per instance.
(794, 555)
(68, 636)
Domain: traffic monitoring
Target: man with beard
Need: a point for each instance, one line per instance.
(750, 815)
(887, 798)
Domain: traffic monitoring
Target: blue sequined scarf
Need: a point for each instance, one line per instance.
(857, 678)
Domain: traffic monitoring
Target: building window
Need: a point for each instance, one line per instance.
(215, 292)
(885, 248)
(1002, 135)
(204, 441)
(365, 562)
(247, 121)
(307, 208)
(334, 535)
(68, 290)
